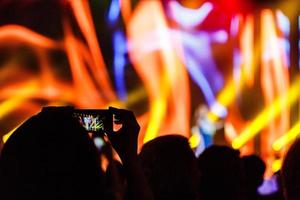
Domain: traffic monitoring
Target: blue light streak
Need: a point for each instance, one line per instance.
(234, 26)
(120, 49)
(197, 50)
(284, 26)
(114, 11)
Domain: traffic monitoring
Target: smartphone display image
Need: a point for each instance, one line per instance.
(94, 120)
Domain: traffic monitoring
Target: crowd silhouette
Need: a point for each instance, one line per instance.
(51, 156)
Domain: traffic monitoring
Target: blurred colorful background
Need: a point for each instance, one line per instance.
(219, 71)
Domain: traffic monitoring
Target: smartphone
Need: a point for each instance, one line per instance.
(95, 121)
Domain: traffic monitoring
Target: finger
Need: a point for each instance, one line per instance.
(118, 122)
(117, 119)
(117, 111)
(120, 112)
(122, 115)
(113, 109)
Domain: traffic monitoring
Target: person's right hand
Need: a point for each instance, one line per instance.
(124, 140)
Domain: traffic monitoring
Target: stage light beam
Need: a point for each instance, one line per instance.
(26, 91)
(269, 113)
(276, 165)
(291, 135)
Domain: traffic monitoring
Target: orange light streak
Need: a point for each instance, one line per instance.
(83, 16)
(247, 49)
(274, 81)
(267, 114)
(125, 10)
(147, 66)
(87, 93)
(13, 33)
(158, 65)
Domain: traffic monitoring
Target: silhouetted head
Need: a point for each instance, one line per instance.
(221, 173)
(254, 168)
(50, 156)
(170, 168)
(291, 172)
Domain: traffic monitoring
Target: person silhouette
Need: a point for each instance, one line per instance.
(290, 172)
(254, 168)
(50, 156)
(221, 174)
(170, 167)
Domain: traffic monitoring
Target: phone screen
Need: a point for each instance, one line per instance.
(94, 120)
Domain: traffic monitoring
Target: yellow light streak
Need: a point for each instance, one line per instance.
(12, 103)
(224, 98)
(9, 105)
(287, 138)
(194, 140)
(228, 94)
(269, 113)
(157, 114)
(276, 165)
(7, 135)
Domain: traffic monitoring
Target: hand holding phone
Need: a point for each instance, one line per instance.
(125, 139)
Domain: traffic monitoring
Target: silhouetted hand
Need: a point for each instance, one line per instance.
(124, 142)
(125, 139)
